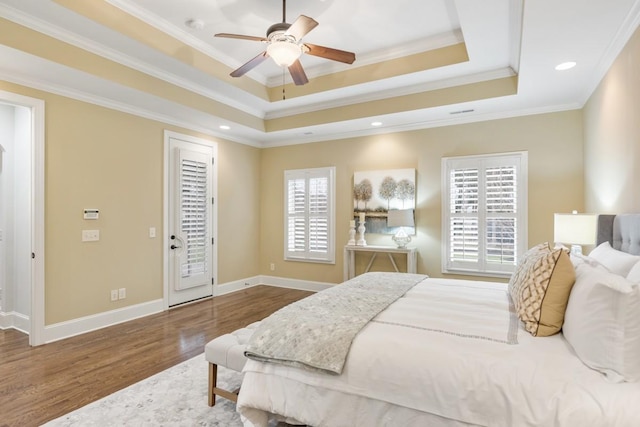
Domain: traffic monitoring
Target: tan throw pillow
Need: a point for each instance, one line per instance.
(540, 289)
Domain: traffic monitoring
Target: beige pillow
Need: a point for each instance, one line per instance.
(540, 289)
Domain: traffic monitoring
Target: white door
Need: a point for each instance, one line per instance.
(190, 223)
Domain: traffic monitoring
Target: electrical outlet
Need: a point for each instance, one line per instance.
(114, 295)
(152, 232)
(272, 266)
(122, 293)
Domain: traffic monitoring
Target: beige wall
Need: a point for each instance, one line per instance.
(101, 158)
(105, 159)
(554, 143)
(612, 136)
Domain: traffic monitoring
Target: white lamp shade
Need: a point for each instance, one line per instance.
(400, 218)
(575, 229)
(284, 53)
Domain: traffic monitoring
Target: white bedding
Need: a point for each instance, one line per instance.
(416, 364)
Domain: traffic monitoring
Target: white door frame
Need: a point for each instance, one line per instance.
(166, 226)
(36, 317)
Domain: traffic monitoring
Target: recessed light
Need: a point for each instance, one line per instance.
(376, 123)
(225, 127)
(565, 66)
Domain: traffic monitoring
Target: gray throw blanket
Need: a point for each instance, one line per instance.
(316, 332)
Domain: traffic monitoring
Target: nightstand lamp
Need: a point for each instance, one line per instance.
(575, 229)
(400, 218)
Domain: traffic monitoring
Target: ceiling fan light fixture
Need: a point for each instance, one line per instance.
(284, 53)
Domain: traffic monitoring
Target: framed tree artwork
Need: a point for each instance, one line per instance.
(377, 192)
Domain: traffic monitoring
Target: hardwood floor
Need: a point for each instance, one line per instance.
(38, 384)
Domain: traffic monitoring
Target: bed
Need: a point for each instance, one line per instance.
(464, 353)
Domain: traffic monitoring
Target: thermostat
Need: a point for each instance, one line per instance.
(91, 214)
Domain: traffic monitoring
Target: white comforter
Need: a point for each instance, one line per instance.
(444, 352)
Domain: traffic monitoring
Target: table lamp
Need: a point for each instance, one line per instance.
(575, 229)
(400, 218)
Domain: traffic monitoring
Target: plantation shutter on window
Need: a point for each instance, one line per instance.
(500, 230)
(484, 209)
(309, 215)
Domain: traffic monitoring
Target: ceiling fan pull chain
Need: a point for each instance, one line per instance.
(283, 94)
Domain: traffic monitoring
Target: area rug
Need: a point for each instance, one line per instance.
(174, 397)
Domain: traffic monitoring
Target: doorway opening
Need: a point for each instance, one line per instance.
(22, 215)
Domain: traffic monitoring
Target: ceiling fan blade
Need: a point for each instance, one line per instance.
(250, 65)
(301, 27)
(329, 53)
(240, 36)
(297, 73)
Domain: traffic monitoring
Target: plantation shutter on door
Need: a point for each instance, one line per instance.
(195, 204)
(309, 215)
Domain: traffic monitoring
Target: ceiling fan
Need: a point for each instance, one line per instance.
(284, 45)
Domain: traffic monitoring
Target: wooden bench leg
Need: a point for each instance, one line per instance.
(213, 377)
(214, 390)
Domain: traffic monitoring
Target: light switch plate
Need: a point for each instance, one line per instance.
(90, 235)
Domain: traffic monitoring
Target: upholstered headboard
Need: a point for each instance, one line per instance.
(622, 231)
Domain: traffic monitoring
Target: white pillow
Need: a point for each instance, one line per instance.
(602, 323)
(617, 262)
(634, 273)
(577, 259)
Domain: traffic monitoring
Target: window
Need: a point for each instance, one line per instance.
(309, 215)
(484, 203)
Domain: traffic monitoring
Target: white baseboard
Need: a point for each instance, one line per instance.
(304, 285)
(5, 322)
(237, 285)
(82, 325)
(74, 327)
(280, 282)
(16, 321)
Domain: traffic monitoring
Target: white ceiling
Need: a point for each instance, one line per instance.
(502, 37)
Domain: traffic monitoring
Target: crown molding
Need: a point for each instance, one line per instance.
(407, 127)
(622, 37)
(73, 39)
(417, 46)
(182, 35)
(119, 106)
(396, 92)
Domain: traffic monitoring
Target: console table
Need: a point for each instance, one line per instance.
(350, 257)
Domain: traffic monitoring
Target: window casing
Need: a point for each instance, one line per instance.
(309, 206)
(484, 211)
